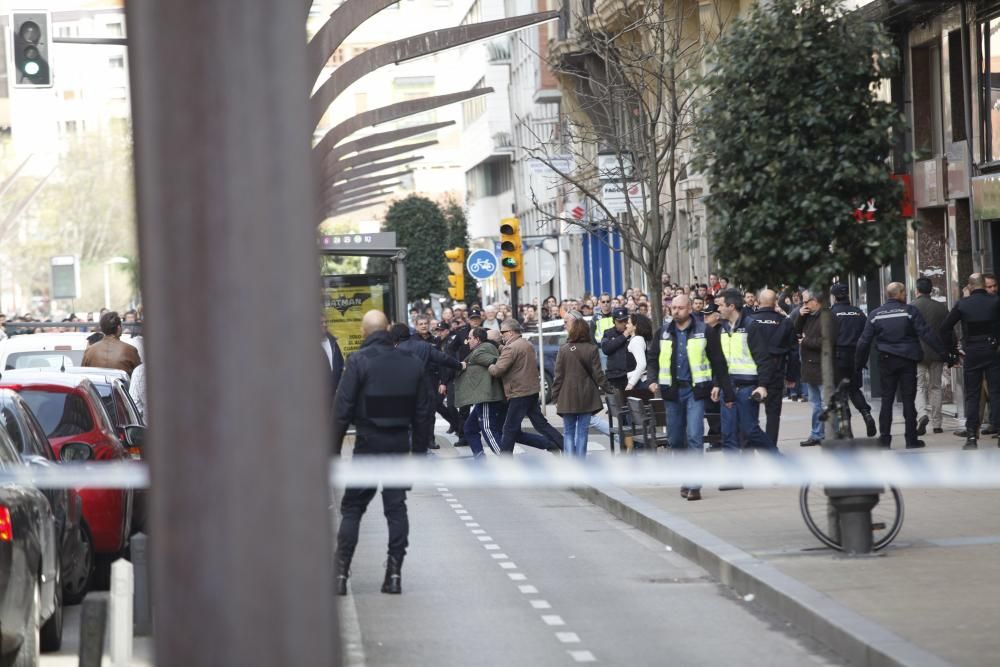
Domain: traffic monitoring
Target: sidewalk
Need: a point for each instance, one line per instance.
(931, 598)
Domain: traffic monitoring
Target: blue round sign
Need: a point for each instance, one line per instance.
(482, 264)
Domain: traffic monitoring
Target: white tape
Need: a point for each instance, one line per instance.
(956, 469)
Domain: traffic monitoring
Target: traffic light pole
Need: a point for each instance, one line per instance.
(513, 295)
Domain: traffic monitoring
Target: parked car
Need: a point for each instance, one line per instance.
(76, 547)
(30, 599)
(69, 409)
(49, 350)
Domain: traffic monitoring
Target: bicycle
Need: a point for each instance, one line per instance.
(887, 515)
(482, 265)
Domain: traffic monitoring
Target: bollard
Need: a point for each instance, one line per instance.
(143, 609)
(122, 590)
(93, 624)
(850, 509)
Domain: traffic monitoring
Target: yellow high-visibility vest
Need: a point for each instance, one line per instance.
(697, 355)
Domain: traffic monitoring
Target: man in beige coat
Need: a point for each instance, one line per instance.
(517, 366)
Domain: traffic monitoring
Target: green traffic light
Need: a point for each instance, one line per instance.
(508, 263)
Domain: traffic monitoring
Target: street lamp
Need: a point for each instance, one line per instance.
(107, 278)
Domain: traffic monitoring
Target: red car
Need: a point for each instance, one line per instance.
(69, 409)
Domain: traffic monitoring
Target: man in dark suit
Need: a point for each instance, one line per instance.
(334, 358)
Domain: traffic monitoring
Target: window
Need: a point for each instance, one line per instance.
(69, 94)
(13, 429)
(990, 77)
(956, 90)
(116, 62)
(69, 127)
(115, 29)
(476, 107)
(60, 414)
(117, 92)
(926, 67)
(42, 359)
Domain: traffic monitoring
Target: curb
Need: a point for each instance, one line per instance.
(847, 633)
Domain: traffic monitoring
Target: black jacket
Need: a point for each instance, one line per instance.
(433, 359)
(979, 314)
(759, 347)
(337, 367)
(615, 347)
(896, 328)
(777, 332)
(848, 325)
(384, 394)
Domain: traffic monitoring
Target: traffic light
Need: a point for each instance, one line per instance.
(456, 269)
(31, 36)
(510, 251)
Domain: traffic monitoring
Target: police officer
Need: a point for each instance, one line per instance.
(614, 344)
(777, 330)
(458, 349)
(384, 394)
(433, 361)
(713, 409)
(897, 328)
(979, 314)
(601, 322)
(848, 325)
(751, 369)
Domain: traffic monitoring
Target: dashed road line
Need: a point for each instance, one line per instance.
(503, 560)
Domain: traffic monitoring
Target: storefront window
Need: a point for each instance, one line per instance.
(990, 81)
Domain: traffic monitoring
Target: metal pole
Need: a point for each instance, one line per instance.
(401, 296)
(541, 330)
(242, 563)
(107, 286)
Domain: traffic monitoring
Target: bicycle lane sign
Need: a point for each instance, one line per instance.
(482, 264)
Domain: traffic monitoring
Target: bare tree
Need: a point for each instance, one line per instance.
(629, 76)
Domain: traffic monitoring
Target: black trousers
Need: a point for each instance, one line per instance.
(979, 364)
(772, 406)
(899, 381)
(841, 371)
(352, 508)
(450, 414)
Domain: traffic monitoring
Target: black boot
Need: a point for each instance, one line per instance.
(393, 583)
(869, 424)
(343, 573)
(971, 443)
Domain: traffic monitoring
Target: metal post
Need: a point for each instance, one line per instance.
(541, 330)
(122, 590)
(107, 286)
(401, 298)
(242, 567)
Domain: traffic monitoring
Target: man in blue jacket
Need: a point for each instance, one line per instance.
(896, 328)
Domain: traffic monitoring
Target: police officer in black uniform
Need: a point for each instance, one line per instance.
(615, 347)
(848, 324)
(897, 328)
(777, 330)
(458, 349)
(979, 314)
(433, 360)
(384, 394)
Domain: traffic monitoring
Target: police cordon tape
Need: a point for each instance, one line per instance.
(979, 469)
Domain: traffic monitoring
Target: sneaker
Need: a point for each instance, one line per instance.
(938, 429)
(988, 430)
(809, 442)
(730, 487)
(684, 492)
(694, 494)
(916, 445)
(922, 425)
(961, 434)
(970, 443)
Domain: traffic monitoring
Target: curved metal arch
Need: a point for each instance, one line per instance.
(413, 47)
(352, 209)
(377, 139)
(353, 174)
(349, 194)
(334, 171)
(344, 20)
(388, 113)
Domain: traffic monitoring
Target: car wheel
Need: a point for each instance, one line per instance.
(52, 631)
(547, 388)
(76, 583)
(27, 654)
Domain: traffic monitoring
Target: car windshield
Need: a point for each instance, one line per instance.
(44, 359)
(61, 414)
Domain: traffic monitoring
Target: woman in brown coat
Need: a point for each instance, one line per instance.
(577, 387)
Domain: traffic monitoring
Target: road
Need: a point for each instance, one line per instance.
(541, 577)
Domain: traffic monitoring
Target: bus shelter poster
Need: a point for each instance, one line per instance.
(345, 301)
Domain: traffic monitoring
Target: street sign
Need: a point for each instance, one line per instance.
(609, 169)
(482, 264)
(65, 277)
(373, 241)
(539, 266)
(563, 163)
(614, 195)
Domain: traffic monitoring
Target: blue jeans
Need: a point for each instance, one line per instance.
(575, 433)
(744, 418)
(686, 424)
(600, 425)
(816, 399)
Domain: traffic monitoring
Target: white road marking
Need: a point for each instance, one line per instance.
(478, 531)
(500, 556)
(582, 656)
(540, 604)
(552, 619)
(491, 547)
(455, 506)
(527, 589)
(465, 518)
(472, 525)
(508, 565)
(461, 511)
(517, 576)
(484, 538)
(568, 637)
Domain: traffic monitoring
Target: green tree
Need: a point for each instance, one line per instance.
(421, 228)
(793, 139)
(458, 237)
